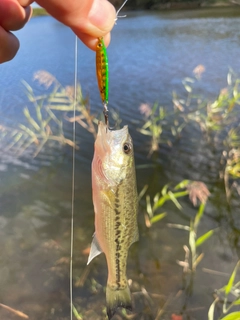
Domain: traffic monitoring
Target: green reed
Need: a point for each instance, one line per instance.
(46, 115)
(217, 120)
(154, 212)
(197, 191)
(228, 297)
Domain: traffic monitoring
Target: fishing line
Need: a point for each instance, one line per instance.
(73, 165)
(73, 175)
(117, 16)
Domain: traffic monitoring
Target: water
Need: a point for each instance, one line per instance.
(149, 55)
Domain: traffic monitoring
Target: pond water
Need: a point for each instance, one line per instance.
(149, 55)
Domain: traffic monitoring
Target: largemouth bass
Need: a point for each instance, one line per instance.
(115, 205)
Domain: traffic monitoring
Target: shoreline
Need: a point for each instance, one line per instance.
(194, 5)
(37, 12)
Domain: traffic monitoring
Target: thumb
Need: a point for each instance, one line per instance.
(98, 22)
(89, 19)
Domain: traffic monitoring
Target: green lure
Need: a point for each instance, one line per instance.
(102, 70)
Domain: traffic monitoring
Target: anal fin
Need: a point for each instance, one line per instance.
(95, 249)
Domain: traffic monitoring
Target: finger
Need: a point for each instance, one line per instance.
(94, 18)
(9, 45)
(91, 42)
(100, 19)
(25, 3)
(12, 15)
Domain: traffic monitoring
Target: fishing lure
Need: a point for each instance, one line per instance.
(102, 72)
(102, 69)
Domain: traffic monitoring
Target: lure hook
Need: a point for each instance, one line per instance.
(105, 113)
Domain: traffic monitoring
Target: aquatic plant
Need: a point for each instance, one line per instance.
(192, 256)
(157, 121)
(76, 313)
(211, 116)
(45, 117)
(196, 190)
(153, 123)
(194, 242)
(228, 297)
(231, 162)
(198, 193)
(217, 120)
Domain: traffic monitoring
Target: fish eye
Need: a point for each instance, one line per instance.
(127, 148)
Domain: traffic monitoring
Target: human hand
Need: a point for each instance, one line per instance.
(89, 19)
(12, 17)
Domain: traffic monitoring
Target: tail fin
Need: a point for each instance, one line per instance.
(119, 298)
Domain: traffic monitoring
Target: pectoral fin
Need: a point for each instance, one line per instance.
(95, 249)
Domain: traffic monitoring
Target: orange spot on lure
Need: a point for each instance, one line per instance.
(102, 70)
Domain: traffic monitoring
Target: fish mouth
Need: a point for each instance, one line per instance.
(108, 137)
(102, 136)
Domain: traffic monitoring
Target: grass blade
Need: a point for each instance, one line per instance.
(39, 148)
(30, 119)
(174, 200)
(52, 115)
(76, 314)
(28, 131)
(183, 184)
(232, 316)
(159, 203)
(192, 243)
(14, 311)
(158, 217)
(149, 207)
(199, 215)
(231, 280)
(204, 237)
(178, 226)
(164, 189)
(211, 310)
(142, 192)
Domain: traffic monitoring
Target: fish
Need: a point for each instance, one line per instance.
(115, 202)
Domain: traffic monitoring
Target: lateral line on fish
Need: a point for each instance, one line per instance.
(117, 233)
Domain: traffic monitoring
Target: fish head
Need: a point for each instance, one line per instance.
(115, 152)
